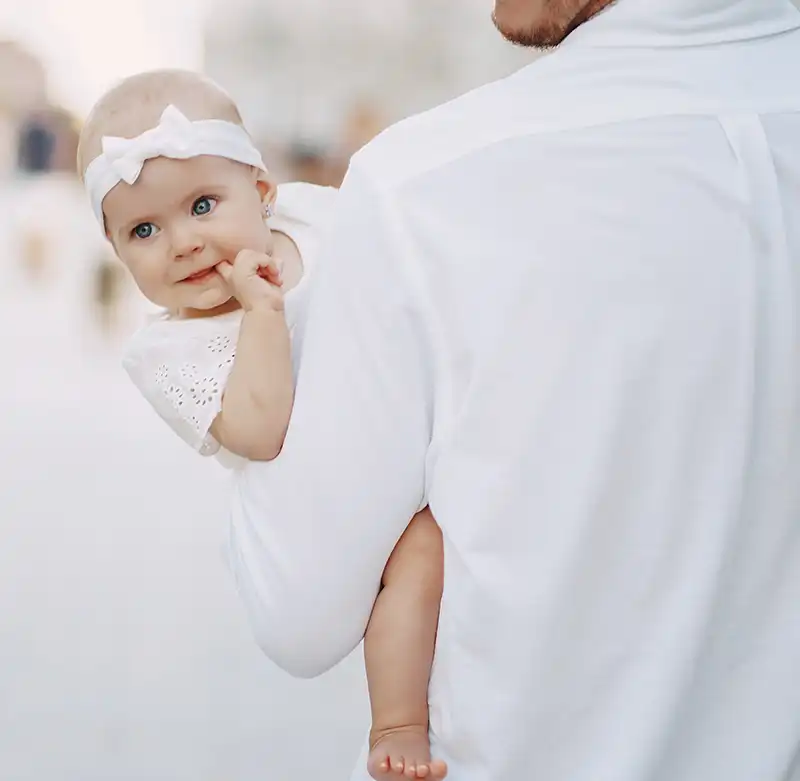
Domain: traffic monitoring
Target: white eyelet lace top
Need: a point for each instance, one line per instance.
(181, 366)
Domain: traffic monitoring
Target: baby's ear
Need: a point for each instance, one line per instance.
(267, 187)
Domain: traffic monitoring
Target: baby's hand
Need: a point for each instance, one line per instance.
(254, 279)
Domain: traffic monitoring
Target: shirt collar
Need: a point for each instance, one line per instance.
(671, 23)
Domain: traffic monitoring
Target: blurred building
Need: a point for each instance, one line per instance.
(35, 136)
(23, 89)
(47, 141)
(327, 75)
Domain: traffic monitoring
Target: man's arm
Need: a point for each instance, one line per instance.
(312, 530)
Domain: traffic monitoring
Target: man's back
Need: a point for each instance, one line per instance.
(609, 276)
(563, 310)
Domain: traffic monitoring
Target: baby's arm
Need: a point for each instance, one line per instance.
(257, 400)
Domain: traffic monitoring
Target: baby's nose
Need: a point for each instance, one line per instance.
(186, 241)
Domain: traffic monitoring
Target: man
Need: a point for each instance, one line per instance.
(576, 337)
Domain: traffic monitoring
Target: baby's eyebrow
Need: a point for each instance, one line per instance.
(131, 224)
(207, 188)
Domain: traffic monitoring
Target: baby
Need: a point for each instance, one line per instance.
(192, 212)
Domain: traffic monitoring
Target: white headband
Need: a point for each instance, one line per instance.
(176, 137)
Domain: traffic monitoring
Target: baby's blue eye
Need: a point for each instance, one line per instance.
(144, 231)
(203, 206)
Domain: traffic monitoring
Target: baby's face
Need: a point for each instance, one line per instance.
(179, 220)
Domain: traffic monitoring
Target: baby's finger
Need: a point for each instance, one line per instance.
(270, 274)
(225, 270)
(271, 269)
(250, 261)
(272, 264)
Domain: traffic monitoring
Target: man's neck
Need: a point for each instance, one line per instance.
(592, 8)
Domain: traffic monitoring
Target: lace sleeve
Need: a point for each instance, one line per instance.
(181, 367)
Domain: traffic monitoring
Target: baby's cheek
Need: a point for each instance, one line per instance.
(224, 239)
(255, 234)
(151, 283)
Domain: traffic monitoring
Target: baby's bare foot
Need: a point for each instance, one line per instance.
(403, 753)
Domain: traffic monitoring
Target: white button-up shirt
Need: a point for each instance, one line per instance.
(564, 310)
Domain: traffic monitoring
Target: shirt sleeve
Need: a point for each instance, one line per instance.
(181, 368)
(304, 213)
(311, 531)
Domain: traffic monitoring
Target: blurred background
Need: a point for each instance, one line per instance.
(123, 650)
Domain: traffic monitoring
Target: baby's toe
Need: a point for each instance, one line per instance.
(378, 766)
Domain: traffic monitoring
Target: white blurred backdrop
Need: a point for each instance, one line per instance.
(123, 651)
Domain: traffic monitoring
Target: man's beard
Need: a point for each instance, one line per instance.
(558, 23)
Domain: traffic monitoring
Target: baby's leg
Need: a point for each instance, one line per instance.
(398, 648)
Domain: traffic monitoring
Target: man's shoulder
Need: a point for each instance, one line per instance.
(305, 201)
(547, 94)
(424, 142)
(583, 88)
(301, 205)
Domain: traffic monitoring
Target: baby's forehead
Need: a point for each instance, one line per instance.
(165, 183)
(194, 170)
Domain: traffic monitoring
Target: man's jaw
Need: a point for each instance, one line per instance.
(551, 31)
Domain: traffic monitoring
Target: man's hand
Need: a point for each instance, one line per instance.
(255, 280)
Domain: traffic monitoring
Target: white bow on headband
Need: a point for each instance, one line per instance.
(175, 137)
(172, 137)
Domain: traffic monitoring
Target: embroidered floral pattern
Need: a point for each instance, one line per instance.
(175, 395)
(194, 389)
(162, 375)
(205, 391)
(228, 362)
(219, 344)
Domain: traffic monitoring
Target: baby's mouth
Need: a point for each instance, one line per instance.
(200, 276)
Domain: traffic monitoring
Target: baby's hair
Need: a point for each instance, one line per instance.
(136, 103)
